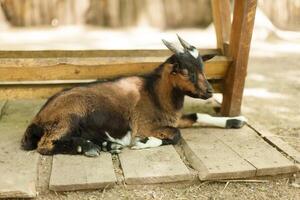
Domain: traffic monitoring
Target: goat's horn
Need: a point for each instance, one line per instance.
(184, 43)
(172, 47)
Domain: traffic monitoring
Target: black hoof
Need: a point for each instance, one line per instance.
(91, 149)
(235, 123)
(111, 147)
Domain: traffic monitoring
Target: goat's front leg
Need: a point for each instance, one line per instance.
(199, 119)
(161, 136)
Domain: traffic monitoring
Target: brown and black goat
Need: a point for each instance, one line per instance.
(138, 111)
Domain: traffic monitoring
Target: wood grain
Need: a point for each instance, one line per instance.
(18, 168)
(154, 165)
(240, 39)
(95, 53)
(252, 148)
(213, 159)
(274, 140)
(33, 69)
(80, 172)
(222, 22)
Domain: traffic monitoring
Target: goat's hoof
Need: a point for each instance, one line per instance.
(115, 151)
(92, 151)
(115, 148)
(111, 147)
(236, 122)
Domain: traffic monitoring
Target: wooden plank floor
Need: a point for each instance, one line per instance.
(223, 154)
(213, 153)
(212, 158)
(154, 165)
(251, 147)
(80, 172)
(18, 168)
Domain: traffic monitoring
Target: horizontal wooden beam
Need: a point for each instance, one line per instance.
(40, 74)
(96, 53)
(43, 90)
(43, 69)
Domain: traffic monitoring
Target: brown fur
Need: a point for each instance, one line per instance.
(115, 107)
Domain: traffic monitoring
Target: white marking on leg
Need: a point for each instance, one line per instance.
(104, 143)
(79, 149)
(151, 142)
(125, 141)
(116, 146)
(207, 120)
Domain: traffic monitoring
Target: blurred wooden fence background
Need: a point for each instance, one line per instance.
(284, 14)
(108, 13)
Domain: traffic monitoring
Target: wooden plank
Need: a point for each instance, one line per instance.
(80, 172)
(212, 158)
(95, 53)
(251, 147)
(18, 168)
(2, 103)
(154, 165)
(38, 91)
(275, 141)
(240, 39)
(222, 22)
(285, 147)
(97, 68)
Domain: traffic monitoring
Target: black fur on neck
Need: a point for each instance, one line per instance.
(177, 96)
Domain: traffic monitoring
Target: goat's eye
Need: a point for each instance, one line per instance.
(185, 72)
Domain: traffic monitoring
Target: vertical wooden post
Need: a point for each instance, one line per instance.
(239, 46)
(222, 23)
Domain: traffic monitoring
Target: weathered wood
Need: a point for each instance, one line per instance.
(154, 165)
(285, 147)
(30, 91)
(18, 168)
(33, 77)
(2, 103)
(222, 22)
(80, 172)
(95, 53)
(41, 89)
(251, 147)
(274, 140)
(240, 39)
(212, 158)
(92, 68)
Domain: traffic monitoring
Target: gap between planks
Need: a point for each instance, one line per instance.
(274, 141)
(269, 137)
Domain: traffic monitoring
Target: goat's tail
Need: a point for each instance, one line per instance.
(31, 137)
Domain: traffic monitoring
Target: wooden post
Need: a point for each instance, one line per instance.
(239, 46)
(222, 23)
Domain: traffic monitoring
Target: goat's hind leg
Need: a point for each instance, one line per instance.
(200, 119)
(112, 147)
(68, 145)
(161, 136)
(77, 145)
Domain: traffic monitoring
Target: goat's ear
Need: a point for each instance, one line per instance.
(207, 57)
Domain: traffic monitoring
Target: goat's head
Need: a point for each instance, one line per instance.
(187, 70)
